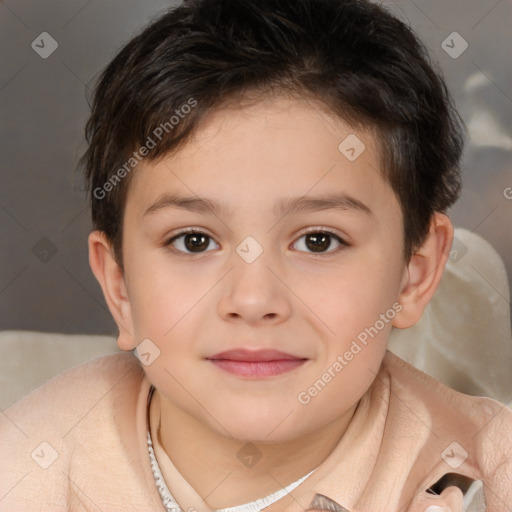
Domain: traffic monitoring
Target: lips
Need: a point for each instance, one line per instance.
(241, 354)
(256, 363)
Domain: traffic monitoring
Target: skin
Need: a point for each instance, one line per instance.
(309, 304)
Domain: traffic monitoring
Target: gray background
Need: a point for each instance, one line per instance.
(45, 280)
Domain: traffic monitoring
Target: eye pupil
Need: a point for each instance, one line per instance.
(195, 242)
(318, 241)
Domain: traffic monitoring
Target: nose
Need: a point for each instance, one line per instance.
(253, 294)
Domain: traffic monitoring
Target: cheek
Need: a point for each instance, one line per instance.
(167, 311)
(356, 295)
(357, 305)
(161, 298)
(359, 309)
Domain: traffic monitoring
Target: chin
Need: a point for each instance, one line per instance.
(261, 427)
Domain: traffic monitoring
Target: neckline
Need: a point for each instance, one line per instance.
(170, 503)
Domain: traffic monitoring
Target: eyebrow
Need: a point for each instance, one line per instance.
(285, 206)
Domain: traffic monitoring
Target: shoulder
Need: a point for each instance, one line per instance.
(67, 422)
(75, 388)
(481, 427)
(416, 386)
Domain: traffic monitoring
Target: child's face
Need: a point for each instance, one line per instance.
(312, 305)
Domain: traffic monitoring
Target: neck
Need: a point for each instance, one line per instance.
(232, 471)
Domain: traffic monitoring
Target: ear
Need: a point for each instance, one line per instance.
(424, 271)
(111, 279)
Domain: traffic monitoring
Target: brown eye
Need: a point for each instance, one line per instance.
(196, 242)
(320, 241)
(191, 242)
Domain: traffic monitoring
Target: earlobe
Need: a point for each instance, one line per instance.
(111, 279)
(424, 271)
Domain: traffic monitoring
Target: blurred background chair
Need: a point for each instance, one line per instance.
(464, 337)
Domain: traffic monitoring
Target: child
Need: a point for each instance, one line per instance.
(269, 180)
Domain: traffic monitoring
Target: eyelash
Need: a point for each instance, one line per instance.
(319, 230)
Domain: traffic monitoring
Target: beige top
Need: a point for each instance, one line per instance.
(79, 443)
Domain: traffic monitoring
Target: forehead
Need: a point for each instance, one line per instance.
(268, 150)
